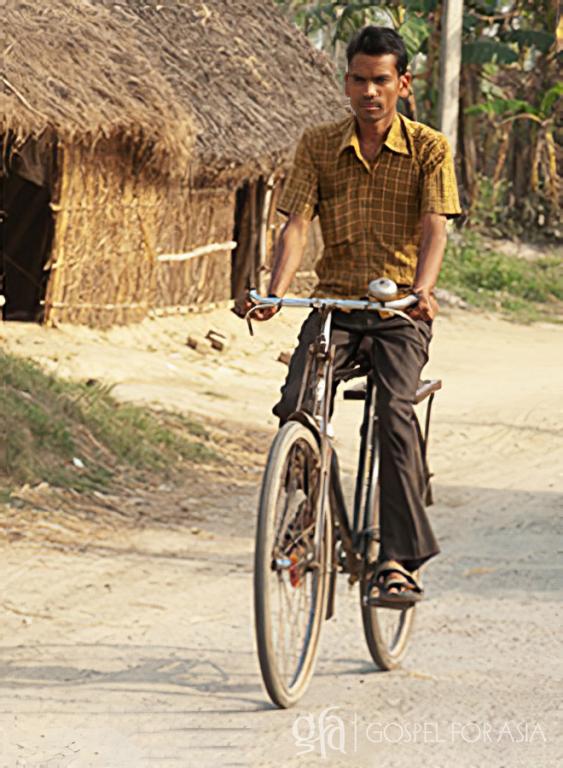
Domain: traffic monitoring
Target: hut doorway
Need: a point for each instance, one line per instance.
(26, 233)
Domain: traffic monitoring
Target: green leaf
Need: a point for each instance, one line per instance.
(356, 15)
(469, 22)
(415, 31)
(479, 109)
(512, 106)
(549, 99)
(486, 6)
(483, 51)
(420, 6)
(350, 20)
(525, 38)
(501, 107)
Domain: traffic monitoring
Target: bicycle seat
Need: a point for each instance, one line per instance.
(425, 389)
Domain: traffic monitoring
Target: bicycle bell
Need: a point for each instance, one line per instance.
(382, 289)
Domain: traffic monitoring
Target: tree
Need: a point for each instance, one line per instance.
(507, 140)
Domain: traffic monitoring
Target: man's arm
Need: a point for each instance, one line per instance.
(289, 253)
(287, 258)
(430, 256)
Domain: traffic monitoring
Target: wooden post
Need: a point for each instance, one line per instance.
(450, 68)
(65, 160)
(263, 239)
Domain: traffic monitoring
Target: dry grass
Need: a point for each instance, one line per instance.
(88, 79)
(250, 79)
(236, 78)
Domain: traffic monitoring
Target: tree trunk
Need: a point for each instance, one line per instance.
(468, 129)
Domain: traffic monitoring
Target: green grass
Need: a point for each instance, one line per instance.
(46, 422)
(521, 289)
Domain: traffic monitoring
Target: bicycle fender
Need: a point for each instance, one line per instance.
(308, 421)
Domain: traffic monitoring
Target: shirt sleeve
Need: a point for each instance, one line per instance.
(439, 186)
(300, 192)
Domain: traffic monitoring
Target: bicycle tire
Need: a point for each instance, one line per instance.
(285, 687)
(387, 630)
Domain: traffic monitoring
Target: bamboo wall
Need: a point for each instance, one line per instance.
(103, 258)
(111, 225)
(191, 219)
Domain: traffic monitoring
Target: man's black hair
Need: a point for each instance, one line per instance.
(378, 41)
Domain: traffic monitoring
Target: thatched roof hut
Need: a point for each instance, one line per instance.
(135, 123)
(249, 79)
(77, 71)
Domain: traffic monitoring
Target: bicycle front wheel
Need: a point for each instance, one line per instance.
(290, 569)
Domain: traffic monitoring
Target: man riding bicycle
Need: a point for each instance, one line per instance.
(383, 187)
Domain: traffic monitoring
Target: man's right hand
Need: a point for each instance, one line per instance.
(245, 304)
(265, 313)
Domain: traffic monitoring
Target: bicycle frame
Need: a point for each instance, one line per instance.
(318, 377)
(358, 537)
(358, 534)
(321, 357)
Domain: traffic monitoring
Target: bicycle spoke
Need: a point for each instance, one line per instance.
(281, 631)
(290, 635)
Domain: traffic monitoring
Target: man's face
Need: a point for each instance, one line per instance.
(373, 85)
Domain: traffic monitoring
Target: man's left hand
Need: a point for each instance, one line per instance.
(427, 307)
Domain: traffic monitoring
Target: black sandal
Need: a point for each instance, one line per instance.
(391, 575)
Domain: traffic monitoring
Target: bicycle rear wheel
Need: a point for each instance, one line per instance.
(290, 572)
(387, 630)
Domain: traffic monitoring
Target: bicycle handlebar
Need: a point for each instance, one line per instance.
(394, 307)
(347, 304)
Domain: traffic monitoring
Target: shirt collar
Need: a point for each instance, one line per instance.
(395, 141)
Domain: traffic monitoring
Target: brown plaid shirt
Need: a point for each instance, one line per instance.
(370, 216)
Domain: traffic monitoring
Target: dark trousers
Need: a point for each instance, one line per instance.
(395, 352)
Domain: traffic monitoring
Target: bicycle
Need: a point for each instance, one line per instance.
(304, 535)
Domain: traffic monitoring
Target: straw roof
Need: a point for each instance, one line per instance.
(231, 84)
(75, 70)
(249, 78)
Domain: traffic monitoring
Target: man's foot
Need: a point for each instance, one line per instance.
(392, 584)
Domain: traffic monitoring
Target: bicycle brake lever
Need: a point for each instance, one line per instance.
(248, 315)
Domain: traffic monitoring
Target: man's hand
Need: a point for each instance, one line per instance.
(265, 313)
(427, 307)
(245, 304)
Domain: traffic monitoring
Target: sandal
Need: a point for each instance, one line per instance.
(393, 586)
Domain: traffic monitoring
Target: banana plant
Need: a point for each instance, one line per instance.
(508, 72)
(502, 113)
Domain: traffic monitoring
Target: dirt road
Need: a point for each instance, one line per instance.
(128, 648)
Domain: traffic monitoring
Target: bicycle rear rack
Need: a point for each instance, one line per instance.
(425, 389)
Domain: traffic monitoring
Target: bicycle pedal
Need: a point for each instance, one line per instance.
(381, 602)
